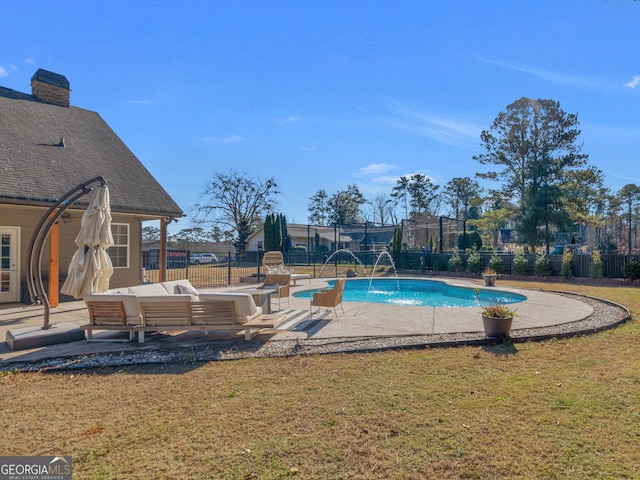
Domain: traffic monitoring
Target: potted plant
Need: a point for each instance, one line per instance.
(489, 276)
(497, 319)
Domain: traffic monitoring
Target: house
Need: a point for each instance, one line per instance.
(48, 147)
(311, 238)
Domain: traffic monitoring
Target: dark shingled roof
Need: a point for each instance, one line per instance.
(46, 150)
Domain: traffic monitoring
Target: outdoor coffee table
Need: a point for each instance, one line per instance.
(262, 321)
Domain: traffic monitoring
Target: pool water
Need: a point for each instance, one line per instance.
(416, 292)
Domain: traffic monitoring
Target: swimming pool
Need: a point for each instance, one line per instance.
(418, 292)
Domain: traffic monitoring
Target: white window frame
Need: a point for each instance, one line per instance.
(127, 227)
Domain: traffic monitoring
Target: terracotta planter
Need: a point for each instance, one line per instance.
(497, 327)
(489, 280)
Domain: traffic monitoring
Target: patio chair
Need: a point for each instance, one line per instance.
(273, 263)
(280, 284)
(329, 298)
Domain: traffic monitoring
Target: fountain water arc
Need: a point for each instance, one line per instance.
(337, 252)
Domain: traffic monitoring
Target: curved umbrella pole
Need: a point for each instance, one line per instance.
(41, 233)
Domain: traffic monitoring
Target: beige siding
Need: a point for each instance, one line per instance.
(27, 218)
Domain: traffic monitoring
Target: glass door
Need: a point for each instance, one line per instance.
(9, 266)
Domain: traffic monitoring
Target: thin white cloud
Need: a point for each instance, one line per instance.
(448, 130)
(393, 179)
(633, 83)
(230, 139)
(544, 74)
(386, 179)
(29, 61)
(287, 120)
(378, 168)
(308, 149)
(141, 102)
(3, 72)
(624, 177)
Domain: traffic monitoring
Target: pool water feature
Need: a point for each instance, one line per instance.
(418, 292)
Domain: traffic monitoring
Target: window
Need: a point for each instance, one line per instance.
(119, 252)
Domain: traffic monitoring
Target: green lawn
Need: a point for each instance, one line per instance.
(560, 409)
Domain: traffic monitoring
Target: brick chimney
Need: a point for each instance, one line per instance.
(51, 88)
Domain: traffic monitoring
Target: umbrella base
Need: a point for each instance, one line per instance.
(35, 337)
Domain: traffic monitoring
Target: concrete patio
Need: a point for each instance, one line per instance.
(360, 320)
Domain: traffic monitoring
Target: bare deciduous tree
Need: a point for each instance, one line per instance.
(238, 201)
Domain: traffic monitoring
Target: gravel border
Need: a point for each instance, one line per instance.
(605, 315)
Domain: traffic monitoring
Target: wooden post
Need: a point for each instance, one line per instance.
(162, 261)
(54, 265)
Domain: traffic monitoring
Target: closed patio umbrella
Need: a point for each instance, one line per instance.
(90, 267)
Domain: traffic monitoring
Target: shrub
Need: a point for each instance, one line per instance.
(396, 242)
(565, 270)
(596, 269)
(542, 266)
(495, 263)
(632, 270)
(455, 262)
(474, 262)
(469, 240)
(498, 310)
(520, 264)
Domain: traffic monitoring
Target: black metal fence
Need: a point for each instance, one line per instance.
(612, 265)
(246, 268)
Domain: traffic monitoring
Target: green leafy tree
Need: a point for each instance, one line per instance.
(150, 233)
(344, 206)
(217, 234)
(272, 233)
(188, 238)
(469, 240)
(565, 269)
(319, 208)
(596, 269)
(285, 242)
(400, 194)
(396, 242)
(459, 193)
(237, 201)
(422, 192)
(629, 196)
(534, 144)
(267, 228)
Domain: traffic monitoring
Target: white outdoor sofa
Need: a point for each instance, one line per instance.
(174, 305)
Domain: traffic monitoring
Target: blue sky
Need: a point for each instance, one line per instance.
(321, 95)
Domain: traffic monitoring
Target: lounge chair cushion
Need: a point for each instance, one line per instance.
(278, 270)
(180, 287)
(188, 289)
(244, 306)
(148, 289)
